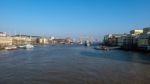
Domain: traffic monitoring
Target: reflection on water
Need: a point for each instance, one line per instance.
(73, 65)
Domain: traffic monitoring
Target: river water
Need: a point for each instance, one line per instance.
(66, 64)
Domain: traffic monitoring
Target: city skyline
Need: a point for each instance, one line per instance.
(73, 17)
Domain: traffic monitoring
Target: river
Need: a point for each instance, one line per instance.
(68, 64)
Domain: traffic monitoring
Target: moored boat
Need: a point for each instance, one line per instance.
(28, 46)
(13, 47)
(21, 46)
(101, 48)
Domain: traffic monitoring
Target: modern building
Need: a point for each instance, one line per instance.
(137, 39)
(113, 39)
(144, 40)
(136, 32)
(131, 40)
(121, 40)
(146, 30)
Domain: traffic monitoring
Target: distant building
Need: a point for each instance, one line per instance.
(3, 34)
(113, 39)
(51, 38)
(68, 40)
(137, 39)
(5, 41)
(59, 41)
(121, 40)
(43, 40)
(136, 31)
(146, 30)
(144, 39)
(21, 39)
(107, 40)
(131, 40)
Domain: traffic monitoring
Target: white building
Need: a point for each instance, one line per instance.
(43, 41)
(3, 34)
(136, 32)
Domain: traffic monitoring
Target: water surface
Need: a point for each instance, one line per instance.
(66, 64)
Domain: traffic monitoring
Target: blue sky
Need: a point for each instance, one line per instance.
(73, 17)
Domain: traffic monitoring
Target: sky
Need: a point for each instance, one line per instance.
(73, 17)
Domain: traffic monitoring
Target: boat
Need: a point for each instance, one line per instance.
(13, 47)
(28, 46)
(21, 46)
(106, 48)
(101, 48)
(80, 42)
(97, 48)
